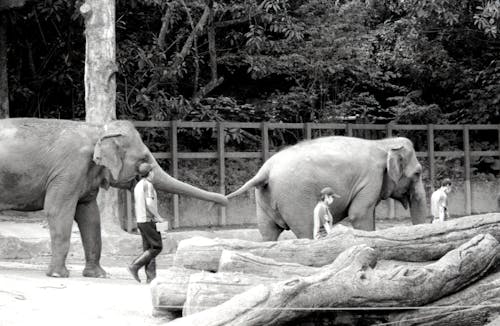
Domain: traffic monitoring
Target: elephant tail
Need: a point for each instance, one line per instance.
(259, 179)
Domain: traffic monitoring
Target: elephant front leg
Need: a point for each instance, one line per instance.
(89, 222)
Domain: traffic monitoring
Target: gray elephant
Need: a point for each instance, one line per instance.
(362, 172)
(59, 166)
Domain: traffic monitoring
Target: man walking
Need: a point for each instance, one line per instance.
(439, 202)
(146, 213)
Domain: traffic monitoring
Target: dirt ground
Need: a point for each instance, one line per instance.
(28, 297)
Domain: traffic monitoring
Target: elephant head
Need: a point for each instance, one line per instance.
(121, 150)
(404, 179)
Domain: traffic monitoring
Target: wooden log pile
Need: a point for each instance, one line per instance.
(437, 271)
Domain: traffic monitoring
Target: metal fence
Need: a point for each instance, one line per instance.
(308, 128)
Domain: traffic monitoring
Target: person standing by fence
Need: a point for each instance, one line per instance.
(439, 202)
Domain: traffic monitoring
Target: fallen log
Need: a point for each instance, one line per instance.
(353, 284)
(168, 292)
(207, 290)
(245, 262)
(424, 242)
(477, 304)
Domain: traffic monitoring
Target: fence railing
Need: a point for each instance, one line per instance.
(349, 129)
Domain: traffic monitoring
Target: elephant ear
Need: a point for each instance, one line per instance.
(395, 163)
(107, 153)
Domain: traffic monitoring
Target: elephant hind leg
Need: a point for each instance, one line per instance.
(59, 208)
(269, 230)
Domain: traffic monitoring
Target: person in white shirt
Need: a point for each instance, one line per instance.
(146, 213)
(439, 202)
(323, 219)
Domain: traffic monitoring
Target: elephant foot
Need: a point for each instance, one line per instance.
(60, 271)
(94, 271)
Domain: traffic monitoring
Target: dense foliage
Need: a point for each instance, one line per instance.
(301, 60)
(412, 61)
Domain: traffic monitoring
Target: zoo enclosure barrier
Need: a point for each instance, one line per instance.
(348, 129)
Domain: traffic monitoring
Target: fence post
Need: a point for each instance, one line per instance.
(222, 170)
(308, 130)
(468, 192)
(265, 141)
(348, 129)
(392, 205)
(430, 152)
(174, 168)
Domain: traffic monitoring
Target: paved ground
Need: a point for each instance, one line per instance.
(28, 297)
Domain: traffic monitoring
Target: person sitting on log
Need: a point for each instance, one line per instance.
(439, 202)
(323, 219)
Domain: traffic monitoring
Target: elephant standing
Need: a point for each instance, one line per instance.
(362, 172)
(59, 165)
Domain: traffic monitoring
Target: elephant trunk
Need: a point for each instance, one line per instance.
(418, 203)
(164, 182)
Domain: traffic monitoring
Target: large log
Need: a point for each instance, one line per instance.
(477, 304)
(206, 290)
(168, 292)
(353, 284)
(423, 242)
(245, 262)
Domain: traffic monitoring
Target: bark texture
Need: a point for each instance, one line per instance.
(244, 262)
(424, 242)
(477, 304)
(352, 282)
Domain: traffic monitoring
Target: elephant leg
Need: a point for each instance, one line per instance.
(60, 210)
(89, 222)
(362, 216)
(269, 230)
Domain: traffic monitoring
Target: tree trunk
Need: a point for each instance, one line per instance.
(476, 305)
(100, 87)
(352, 282)
(423, 242)
(4, 81)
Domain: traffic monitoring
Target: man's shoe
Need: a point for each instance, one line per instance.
(133, 270)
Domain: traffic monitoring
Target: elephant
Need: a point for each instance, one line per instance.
(58, 166)
(362, 172)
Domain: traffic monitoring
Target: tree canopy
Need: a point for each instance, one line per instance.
(407, 61)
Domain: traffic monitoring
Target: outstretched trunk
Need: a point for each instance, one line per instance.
(164, 182)
(418, 203)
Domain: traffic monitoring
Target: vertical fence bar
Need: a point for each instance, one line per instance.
(468, 192)
(174, 168)
(392, 206)
(348, 127)
(430, 153)
(308, 130)
(265, 141)
(222, 170)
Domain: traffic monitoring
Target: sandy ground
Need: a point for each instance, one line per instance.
(28, 297)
